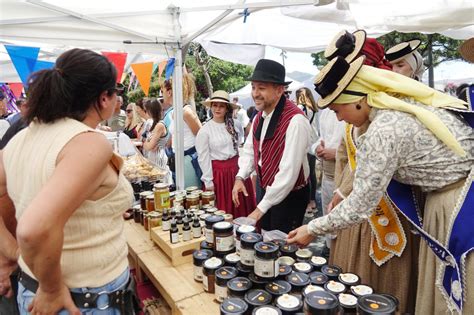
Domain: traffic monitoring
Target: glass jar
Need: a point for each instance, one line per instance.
(172, 196)
(223, 275)
(223, 238)
(208, 198)
(150, 203)
(209, 273)
(191, 189)
(154, 219)
(143, 196)
(192, 201)
(162, 196)
(266, 260)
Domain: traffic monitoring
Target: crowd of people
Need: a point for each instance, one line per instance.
(396, 156)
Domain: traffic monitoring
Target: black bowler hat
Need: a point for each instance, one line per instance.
(269, 71)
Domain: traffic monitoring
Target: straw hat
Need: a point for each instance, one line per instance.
(346, 45)
(219, 96)
(401, 50)
(334, 78)
(467, 49)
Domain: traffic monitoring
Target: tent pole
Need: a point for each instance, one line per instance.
(178, 136)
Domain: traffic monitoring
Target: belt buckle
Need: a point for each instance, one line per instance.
(108, 300)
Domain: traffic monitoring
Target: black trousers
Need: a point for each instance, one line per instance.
(312, 177)
(288, 214)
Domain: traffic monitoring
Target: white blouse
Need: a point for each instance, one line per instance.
(214, 142)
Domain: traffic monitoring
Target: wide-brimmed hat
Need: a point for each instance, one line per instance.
(345, 44)
(219, 96)
(467, 50)
(401, 50)
(334, 78)
(269, 71)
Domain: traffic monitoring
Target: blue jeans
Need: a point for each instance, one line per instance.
(25, 297)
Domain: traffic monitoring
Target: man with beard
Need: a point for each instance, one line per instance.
(276, 149)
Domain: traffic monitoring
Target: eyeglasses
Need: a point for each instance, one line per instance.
(129, 111)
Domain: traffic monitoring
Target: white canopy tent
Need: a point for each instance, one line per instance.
(223, 27)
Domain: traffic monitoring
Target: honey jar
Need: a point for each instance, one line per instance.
(192, 201)
(150, 203)
(208, 198)
(162, 196)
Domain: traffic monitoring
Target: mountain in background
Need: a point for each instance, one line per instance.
(300, 76)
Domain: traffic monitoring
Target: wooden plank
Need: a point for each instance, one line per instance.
(138, 239)
(203, 303)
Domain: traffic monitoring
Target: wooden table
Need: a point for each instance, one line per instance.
(175, 284)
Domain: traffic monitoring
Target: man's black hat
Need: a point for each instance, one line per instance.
(269, 71)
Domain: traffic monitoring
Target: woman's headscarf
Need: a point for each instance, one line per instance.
(375, 54)
(415, 60)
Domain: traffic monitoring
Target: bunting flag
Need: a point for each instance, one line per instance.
(42, 64)
(161, 67)
(169, 68)
(24, 60)
(143, 72)
(16, 88)
(118, 59)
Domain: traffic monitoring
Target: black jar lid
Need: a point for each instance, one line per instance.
(335, 287)
(244, 229)
(199, 256)
(279, 242)
(266, 250)
(257, 281)
(303, 267)
(318, 301)
(224, 274)
(311, 288)
(361, 290)
(222, 227)
(289, 250)
(318, 278)
(266, 310)
(347, 300)
(233, 306)
(239, 285)
(393, 298)
(258, 297)
(318, 261)
(332, 271)
(349, 279)
(206, 245)
(248, 240)
(288, 303)
(212, 219)
(231, 259)
(211, 265)
(373, 304)
(298, 280)
(284, 270)
(243, 269)
(278, 287)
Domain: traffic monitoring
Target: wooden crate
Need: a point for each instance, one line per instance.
(179, 253)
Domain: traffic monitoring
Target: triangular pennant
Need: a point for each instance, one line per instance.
(161, 67)
(16, 88)
(24, 59)
(42, 64)
(143, 72)
(169, 68)
(118, 59)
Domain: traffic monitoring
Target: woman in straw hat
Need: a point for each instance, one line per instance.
(356, 249)
(406, 59)
(217, 144)
(415, 140)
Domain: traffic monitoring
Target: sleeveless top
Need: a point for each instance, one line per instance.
(94, 250)
(158, 155)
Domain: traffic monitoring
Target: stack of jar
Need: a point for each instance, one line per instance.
(278, 278)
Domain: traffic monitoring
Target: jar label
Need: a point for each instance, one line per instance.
(209, 234)
(247, 256)
(196, 232)
(224, 244)
(221, 293)
(165, 200)
(174, 238)
(237, 246)
(205, 283)
(186, 235)
(198, 273)
(266, 268)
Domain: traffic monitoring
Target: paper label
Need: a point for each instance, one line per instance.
(224, 244)
(266, 268)
(174, 238)
(198, 273)
(209, 234)
(196, 232)
(247, 256)
(205, 283)
(221, 293)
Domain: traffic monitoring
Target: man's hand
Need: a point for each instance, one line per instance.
(7, 266)
(328, 154)
(51, 302)
(256, 214)
(320, 149)
(239, 187)
(300, 236)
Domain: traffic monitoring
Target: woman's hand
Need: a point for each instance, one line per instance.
(256, 214)
(51, 302)
(7, 266)
(300, 236)
(336, 199)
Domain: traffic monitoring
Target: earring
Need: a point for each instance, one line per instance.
(358, 107)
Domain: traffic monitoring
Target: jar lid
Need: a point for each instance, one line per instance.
(286, 261)
(207, 193)
(150, 197)
(303, 267)
(393, 298)
(280, 242)
(192, 197)
(321, 300)
(375, 304)
(278, 287)
(191, 188)
(288, 249)
(224, 274)
(220, 212)
(335, 287)
(198, 192)
(318, 261)
(232, 259)
(212, 219)
(347, 300)
(304, 253)
(248, 240)
(311, 288)
(155, 215)
(211, 210)
(266, 250)
(161, 186)
(266, 310)
(349, 278)
(233, 306)
(143, 194)
(288, 303)
(244, 229)
(298, 279)
(256, 279)
(212, 264)
(361, 290)
(258, 297)
(332, 271)
(222, 227)
(205, 245)
(243, 269)
(179, 198)
(318, 278)
(239, 284)
(284, 270)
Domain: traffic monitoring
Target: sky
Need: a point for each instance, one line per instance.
(294, 62)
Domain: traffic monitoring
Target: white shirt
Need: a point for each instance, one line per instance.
(214, 142)
(314, 122)
(330, 130)
(243, 120)
(188, 135)
(294, 156)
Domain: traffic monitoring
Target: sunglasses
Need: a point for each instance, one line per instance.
(128, 111)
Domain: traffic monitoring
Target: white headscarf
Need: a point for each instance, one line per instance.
(415, 60)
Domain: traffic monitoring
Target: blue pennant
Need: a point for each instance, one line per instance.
(245, 14)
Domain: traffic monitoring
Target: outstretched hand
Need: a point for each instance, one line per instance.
(300, 236)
